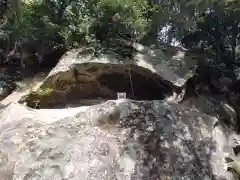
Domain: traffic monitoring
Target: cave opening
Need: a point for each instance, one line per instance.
(98, 88)
(143, 87)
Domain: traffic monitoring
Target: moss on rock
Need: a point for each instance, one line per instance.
(35, 99)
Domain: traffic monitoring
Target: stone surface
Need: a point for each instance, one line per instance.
(174, 64)
(129, 140)
(213, 106)
(151, 74)
(235, 143)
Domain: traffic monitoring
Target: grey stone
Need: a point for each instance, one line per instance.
(81, 75)
(130, 140)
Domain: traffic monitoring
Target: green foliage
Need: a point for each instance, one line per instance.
(34, 98)
(217, 34)
(43, 92)
(209, 25)
(70, 22)
(121, 16)
(7, 82)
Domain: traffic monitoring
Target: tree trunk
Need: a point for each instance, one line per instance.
(8, 48)
(21, 57)
(234, 39)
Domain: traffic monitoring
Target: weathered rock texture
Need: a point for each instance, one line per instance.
(174, 64)
(154, 74)
(115, 140)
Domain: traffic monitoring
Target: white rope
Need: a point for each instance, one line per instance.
(130, 77)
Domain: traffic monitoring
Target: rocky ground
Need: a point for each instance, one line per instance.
(68, 124)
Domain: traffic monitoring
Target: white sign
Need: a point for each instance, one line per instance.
(121, 95)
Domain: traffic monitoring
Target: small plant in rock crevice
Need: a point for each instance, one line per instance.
(35, 98)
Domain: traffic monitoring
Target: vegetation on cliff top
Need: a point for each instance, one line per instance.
(41, 27)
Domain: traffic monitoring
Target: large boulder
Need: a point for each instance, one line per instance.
(214, 106)
(174, 64)
(212, 80)
(150, 74)
(130, 140)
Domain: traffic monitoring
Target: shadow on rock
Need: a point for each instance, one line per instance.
(148, 140)
(172, 142)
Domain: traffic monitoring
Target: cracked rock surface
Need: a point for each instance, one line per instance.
(130, 140)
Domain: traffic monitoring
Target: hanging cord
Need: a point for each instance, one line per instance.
(130, 77)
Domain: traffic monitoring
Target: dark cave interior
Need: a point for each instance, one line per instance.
(144, 88)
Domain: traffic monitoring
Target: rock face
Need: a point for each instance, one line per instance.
(127, 140)
(173, 64)
(80, 75)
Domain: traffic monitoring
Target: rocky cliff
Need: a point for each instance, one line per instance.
(145, 136)
(151, 74)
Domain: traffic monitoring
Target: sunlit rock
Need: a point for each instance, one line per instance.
(152, 74)
(129, 140)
